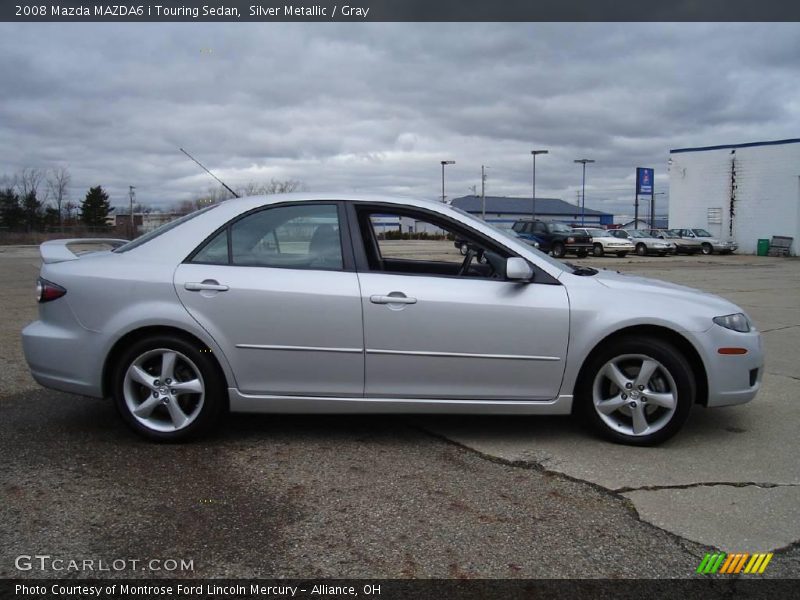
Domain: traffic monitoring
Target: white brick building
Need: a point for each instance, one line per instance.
(744, 191)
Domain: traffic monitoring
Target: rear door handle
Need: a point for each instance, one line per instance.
(392, 300)
(208, 284)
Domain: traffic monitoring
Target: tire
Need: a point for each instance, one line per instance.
(193, 401)
(622, 254)
(707, 248)
(641, 249)
(558, 250)
(597, 250)
(600, 391)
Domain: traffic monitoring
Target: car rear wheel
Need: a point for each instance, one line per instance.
(167, 390)
(558, 250)
(641, 249)
(597, 250)
(637, 391)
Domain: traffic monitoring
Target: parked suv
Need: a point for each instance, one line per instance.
(709, 242)
(605, 243)
(556, 238)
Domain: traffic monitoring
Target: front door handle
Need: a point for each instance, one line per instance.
(207, 284)
(399, 299)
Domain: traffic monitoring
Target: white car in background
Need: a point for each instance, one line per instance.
(643, 243)
(605, 243)
(710, 243)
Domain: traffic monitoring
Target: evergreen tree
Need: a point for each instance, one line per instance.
(11, 216)
(95, 207)
(32, 211)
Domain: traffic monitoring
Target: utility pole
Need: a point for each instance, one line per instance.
(534, 153)
(483, 192)
(131, 195)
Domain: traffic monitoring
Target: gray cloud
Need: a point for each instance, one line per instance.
(375, 107)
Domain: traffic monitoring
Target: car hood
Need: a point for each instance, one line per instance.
(635, 283)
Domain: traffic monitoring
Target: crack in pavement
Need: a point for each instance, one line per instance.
(686, 486)
(778, 328)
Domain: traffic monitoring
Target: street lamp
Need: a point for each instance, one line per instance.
(483, 191)
(533, 196)
(583, 161)
(445, 162)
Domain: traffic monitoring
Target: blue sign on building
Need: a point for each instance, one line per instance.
(644, 181)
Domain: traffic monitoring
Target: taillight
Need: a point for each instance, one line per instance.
(47, 290)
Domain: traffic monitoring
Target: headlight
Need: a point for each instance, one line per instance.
(738, 322)
(570, 240)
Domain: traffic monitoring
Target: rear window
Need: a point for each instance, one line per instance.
(143, 239)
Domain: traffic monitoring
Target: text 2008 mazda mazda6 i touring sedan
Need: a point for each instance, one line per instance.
(326, 304)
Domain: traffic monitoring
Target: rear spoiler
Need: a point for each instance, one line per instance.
(58, 250)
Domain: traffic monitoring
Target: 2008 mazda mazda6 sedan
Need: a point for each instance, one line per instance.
(362, 304)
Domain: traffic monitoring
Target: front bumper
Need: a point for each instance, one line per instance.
(732, 378)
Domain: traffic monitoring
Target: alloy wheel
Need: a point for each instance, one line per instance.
(635, 395)
(164, 390)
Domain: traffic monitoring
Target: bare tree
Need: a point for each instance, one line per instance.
(28, 180)
(273, 186)
(58, 180)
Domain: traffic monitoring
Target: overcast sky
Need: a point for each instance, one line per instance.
(375, 107)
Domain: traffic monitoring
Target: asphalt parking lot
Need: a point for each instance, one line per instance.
(383, 496)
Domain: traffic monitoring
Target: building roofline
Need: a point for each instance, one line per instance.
(747, 145)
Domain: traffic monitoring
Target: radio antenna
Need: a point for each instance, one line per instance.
(235, 195)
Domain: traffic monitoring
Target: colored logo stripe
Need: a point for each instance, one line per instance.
(734, 563)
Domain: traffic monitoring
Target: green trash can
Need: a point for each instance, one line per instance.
(763, 247)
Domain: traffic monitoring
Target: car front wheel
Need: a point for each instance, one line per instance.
(641, 249)
(598, 250)
(708, 249)
(168, 390)
(558, 250)
(636, 391)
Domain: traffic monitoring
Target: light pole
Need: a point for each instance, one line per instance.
(483, 192)
(583, 161)
(131, 195)
(445, 162)
(533, 196)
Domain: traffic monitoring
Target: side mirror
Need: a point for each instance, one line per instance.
(518, 269)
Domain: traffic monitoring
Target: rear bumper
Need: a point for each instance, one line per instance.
(62, 359)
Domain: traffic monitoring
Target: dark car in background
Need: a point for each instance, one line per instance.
(557, 238)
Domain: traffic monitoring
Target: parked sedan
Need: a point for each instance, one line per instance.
(643, 243)
(682, 245)
(605, 243)
(710, 244)
(293, 304)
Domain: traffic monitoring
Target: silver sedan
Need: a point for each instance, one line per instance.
(361, 304)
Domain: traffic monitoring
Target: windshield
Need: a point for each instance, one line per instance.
(512, 235)
(637, 234)
(701, 233)
(143, 239)
(669, 233)
(597, 233)
(560, 227)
